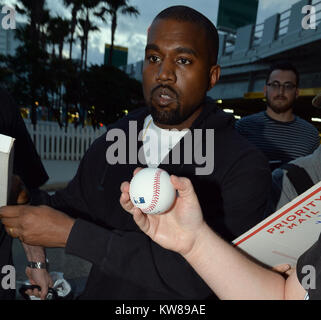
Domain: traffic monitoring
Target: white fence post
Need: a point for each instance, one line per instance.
(54, 143)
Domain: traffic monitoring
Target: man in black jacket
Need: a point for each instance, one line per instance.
(180, 67)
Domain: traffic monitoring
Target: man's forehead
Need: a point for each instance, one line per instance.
(171, 34)
(174, 28)
(284, 75)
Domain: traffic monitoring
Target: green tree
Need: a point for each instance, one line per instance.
(107, 92)
(113, 8)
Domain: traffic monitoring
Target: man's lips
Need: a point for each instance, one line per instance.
(163, 96)
(280, 98)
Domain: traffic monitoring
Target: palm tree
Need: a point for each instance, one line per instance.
(86, 27)
(76, 9)
(112, 8)
(58, 31)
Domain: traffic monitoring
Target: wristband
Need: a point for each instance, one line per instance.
(38, 265)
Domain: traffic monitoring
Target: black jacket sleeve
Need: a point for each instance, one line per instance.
(135, 258)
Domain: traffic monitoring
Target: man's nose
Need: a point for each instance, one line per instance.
(166, 72)
(282, 88)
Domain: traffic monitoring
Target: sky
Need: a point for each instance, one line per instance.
(131, 31)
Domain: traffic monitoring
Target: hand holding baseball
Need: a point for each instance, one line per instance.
(176, 229)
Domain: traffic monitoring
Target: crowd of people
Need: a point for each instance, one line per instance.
(184, 253)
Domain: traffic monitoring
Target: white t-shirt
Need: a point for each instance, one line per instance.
(158, 142)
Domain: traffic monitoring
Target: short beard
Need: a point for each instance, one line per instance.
(170, 117)
(278, 109)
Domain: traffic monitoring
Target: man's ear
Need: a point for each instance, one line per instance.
(215, 73)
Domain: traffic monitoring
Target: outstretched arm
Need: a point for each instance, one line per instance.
(229, 273)
(233, 276)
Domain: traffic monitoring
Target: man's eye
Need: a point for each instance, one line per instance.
(184, 61)
(289, 86)
(153, 59)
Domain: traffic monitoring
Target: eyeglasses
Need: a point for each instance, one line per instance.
(276, 85)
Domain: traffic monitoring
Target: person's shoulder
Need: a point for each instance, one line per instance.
(304, 162)
(233, 148)
(121, 124)
(306, 124)
(311, 163)
(244, 147)
(308, 159)
(252, 118)
(236, 138)
(138, 114)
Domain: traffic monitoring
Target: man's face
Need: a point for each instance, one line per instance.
(281, 98)
(177, 70)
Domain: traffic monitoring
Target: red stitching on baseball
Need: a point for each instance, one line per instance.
(156, 190)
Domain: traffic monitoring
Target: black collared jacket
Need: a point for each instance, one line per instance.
(127, 264)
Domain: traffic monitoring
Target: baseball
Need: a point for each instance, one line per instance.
(152, 191)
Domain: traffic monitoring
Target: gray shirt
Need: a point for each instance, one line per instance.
(281, 183)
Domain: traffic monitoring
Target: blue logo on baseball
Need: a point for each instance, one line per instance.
(140, 201)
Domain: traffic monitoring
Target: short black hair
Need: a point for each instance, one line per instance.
(286, 66)
(187, 14)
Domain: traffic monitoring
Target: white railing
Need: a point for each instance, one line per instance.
(55, 143)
